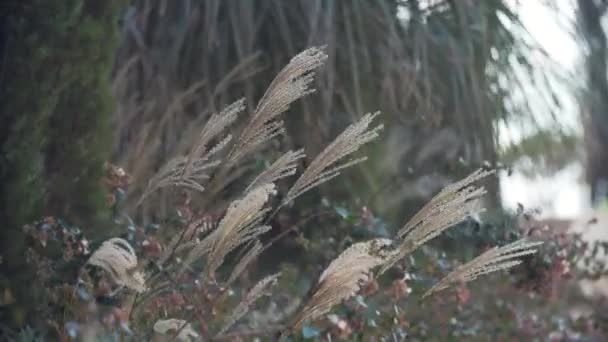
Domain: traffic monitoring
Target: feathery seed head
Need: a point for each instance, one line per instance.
(118, 259)
(342, 278)
(325, 166)
(241, 224)
(283, 167)
(258, 291)
(186, 332)
(450, 206)
(495, 259)
(291, 84)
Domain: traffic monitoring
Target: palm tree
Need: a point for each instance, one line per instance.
(595, 97)
(436, 69)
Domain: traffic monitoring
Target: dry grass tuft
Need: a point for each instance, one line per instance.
(118, 259)
(184, 330)
(342, 278)
(215, 126)
(241, 224)
(291, 84)
(254, 249)
(324, 168)
(451, 206)
(189, 171)
(495, 259)
(283, 167)
(258, 291)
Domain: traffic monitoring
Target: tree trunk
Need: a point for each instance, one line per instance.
(595, 101)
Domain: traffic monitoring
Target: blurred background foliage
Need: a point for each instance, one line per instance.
(428, 66)
(133, 82)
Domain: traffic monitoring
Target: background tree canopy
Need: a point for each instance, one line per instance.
(441, 72)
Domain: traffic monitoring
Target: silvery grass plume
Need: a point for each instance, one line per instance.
(189, 171)
(258, 291)
(254, 249)
(290, 84)
(451, 206)
(188, 239)
(495, 259)
(118, 259)
(216, 125)
(342, 279)
(241, 223)
(173, 325)
(325, 166)
(283, 167)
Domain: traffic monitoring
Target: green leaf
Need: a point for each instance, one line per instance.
(309, 332)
